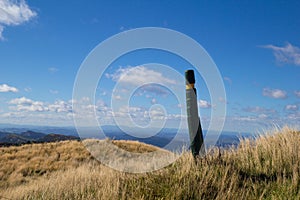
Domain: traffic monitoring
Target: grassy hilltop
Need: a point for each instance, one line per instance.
(267, 168)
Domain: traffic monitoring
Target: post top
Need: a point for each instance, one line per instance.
(189, 76)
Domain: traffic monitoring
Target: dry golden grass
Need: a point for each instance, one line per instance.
(267, 168)
(129, 156)
(19, 164)
(134, 146)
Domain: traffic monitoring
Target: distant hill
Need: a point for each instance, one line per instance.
(15, 128)
(33, 135)
(3, 134)
(8, 138)
(13, 138)
(56, 138)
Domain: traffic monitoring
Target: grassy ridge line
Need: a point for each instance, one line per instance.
(20, 164)
(268, 168)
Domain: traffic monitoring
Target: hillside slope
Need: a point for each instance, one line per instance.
(267, 168)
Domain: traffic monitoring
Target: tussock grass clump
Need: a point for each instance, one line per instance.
(273, 155)
(265, 168)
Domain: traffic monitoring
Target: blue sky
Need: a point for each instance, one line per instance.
(255, 45)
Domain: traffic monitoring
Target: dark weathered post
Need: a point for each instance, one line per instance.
(195, 130)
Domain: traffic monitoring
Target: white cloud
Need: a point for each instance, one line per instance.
(1, 32)
(263, 116)
(294, 116)
(260, 110)
(52, 70)
(291, 107)
(84, 110)
(22, 100)
(103, 93)
(145, 79)
(60, 106)
(7, 88)
(85, 99)
(53, 91)
(117, 97)
(24, 104)
(28, 89)
(222, 100)
(204, 104)
(176, 116)
(297, 93)
(125, 111)
(245, 118)
(153, 101)
(157, 114)
(228, 80)
(14, 12)
(286, 54)
(131, 109)
(274, 93)
(154, 88)
(139, 75)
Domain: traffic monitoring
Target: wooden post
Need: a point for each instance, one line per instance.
(194, 125)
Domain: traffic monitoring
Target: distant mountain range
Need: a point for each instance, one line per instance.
(12, 128)
(166, 138)
(9, 138)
